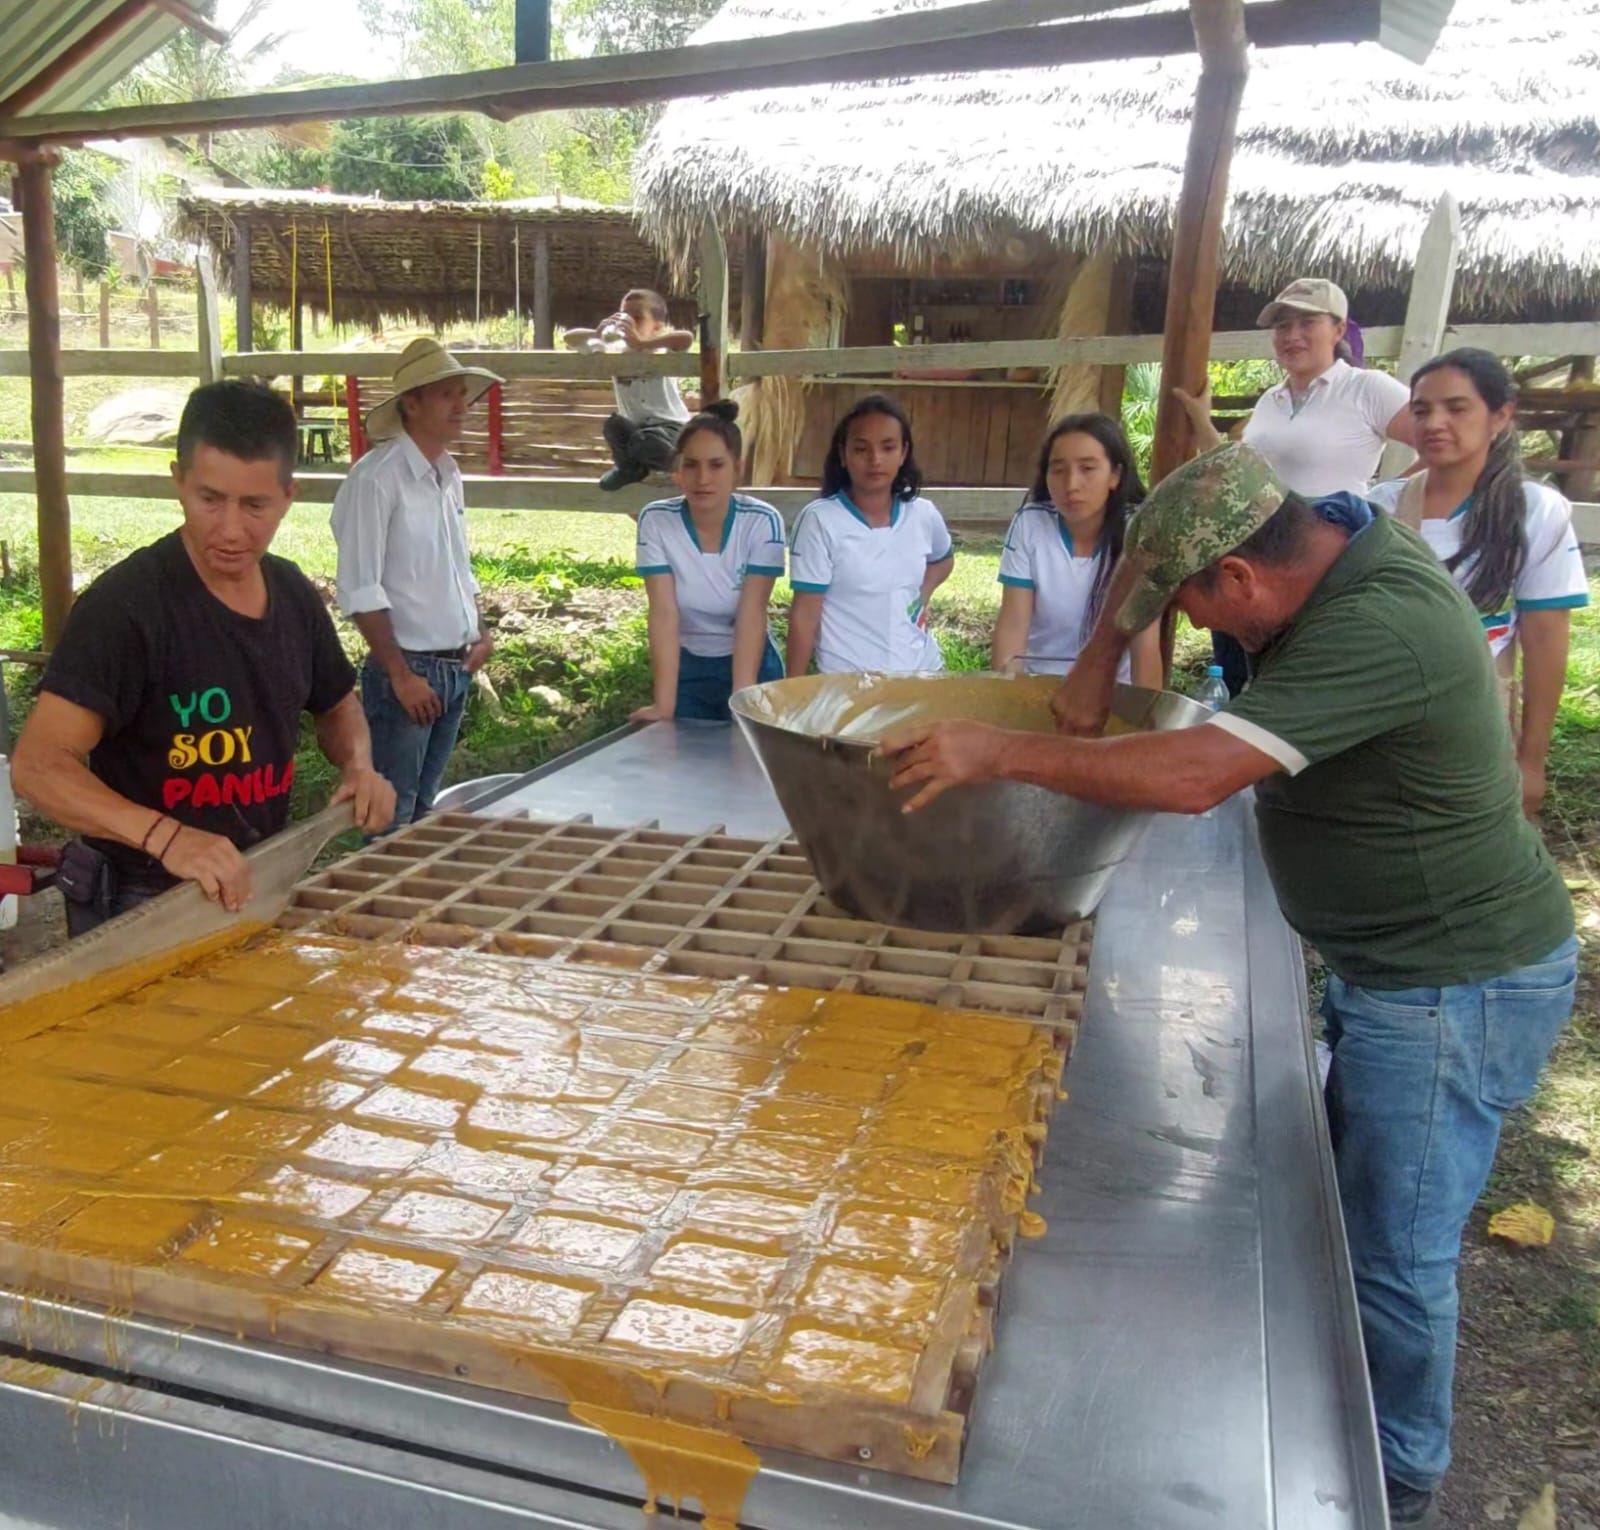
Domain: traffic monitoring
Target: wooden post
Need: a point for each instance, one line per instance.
(1582, 442)
(1427, 310)
(497, 442)
(47, 389)
(208, 327)
(1197, 237)
(105, 316)
(297, 342)
(1119, 320)
(352, 404)
(713, 311)
(78, 297)
(753, 291)
(544, 331)
(153, 303)
(243, 313)
(11, 288)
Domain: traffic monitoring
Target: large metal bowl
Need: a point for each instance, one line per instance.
(998, 858)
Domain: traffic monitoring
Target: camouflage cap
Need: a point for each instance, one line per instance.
(1195, 515)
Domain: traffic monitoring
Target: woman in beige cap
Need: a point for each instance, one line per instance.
(1323, 428)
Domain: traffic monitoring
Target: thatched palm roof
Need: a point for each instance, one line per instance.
(1343, 152)
(421, 260)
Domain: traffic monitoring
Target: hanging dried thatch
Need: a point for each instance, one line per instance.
(1343, 151)
(420, 260)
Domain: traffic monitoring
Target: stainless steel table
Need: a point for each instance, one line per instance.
(1179, 1351)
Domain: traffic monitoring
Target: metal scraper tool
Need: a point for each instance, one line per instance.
(182, 916)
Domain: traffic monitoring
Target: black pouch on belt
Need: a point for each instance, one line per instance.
(87, 877)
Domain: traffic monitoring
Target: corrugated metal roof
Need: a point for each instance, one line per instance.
(38, 32)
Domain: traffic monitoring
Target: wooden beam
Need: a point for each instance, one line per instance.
(753, 291)
(1433, 281)
(244, 322)
(957, 39)
(713, 296)
(578, 366)
(1197, 237)
(48, 393)
(120, 363)
(544, 331)
(75, 54)
(208, 326)
(195, 20)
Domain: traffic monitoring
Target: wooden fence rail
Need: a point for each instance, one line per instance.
(982, 509)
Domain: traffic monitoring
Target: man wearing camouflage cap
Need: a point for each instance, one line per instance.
(1390, 817)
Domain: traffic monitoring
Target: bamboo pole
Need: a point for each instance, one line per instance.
(48, 391)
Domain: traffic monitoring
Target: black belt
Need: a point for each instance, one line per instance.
(455, 655)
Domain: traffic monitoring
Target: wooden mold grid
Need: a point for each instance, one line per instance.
(705, 905)
(364, 1149)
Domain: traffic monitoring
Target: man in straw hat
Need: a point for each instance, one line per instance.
(167, 723)
(405, 577)
(1390, 817)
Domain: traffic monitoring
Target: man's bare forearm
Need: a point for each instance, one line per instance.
(1183, 772)
(59, 785)
(378, 629)
(343, 736)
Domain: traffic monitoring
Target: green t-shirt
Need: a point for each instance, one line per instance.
(1394, 834)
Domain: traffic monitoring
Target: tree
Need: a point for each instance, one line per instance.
(84, 219)
(633, 26)
(406, 159)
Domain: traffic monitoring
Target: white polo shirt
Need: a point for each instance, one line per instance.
(1552, 578)
(1333, 444)
(650, 400)
(1038, 556)
(708, 584)
(872, 578)
(400, 525)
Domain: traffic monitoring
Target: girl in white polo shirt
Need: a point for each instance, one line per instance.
(1508, 543)
(709, 561)
(1061, 548)
(868, 554)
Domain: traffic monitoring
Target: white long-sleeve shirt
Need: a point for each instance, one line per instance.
(400, 525)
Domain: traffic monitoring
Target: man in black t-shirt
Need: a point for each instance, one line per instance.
(166, 724)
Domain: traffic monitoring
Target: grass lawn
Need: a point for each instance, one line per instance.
(572, 662)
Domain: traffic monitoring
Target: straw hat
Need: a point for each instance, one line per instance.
(422, 362)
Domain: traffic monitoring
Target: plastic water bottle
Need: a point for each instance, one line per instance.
(1214, 692)
(8, 841)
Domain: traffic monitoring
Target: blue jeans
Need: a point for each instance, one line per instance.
(704, 685)
(412, 756)
(1420, 1082)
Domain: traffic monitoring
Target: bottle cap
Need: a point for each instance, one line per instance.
(1214, 671)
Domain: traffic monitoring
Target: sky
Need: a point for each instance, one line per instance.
(322, 36)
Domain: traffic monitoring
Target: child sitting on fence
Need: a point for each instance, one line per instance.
(650, 412)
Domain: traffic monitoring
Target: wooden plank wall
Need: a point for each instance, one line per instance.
(966, 434)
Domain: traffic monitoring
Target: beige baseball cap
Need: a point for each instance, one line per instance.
(1311, 294)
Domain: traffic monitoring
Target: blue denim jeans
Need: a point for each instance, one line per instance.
(1420, 1082)
(412, 756)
